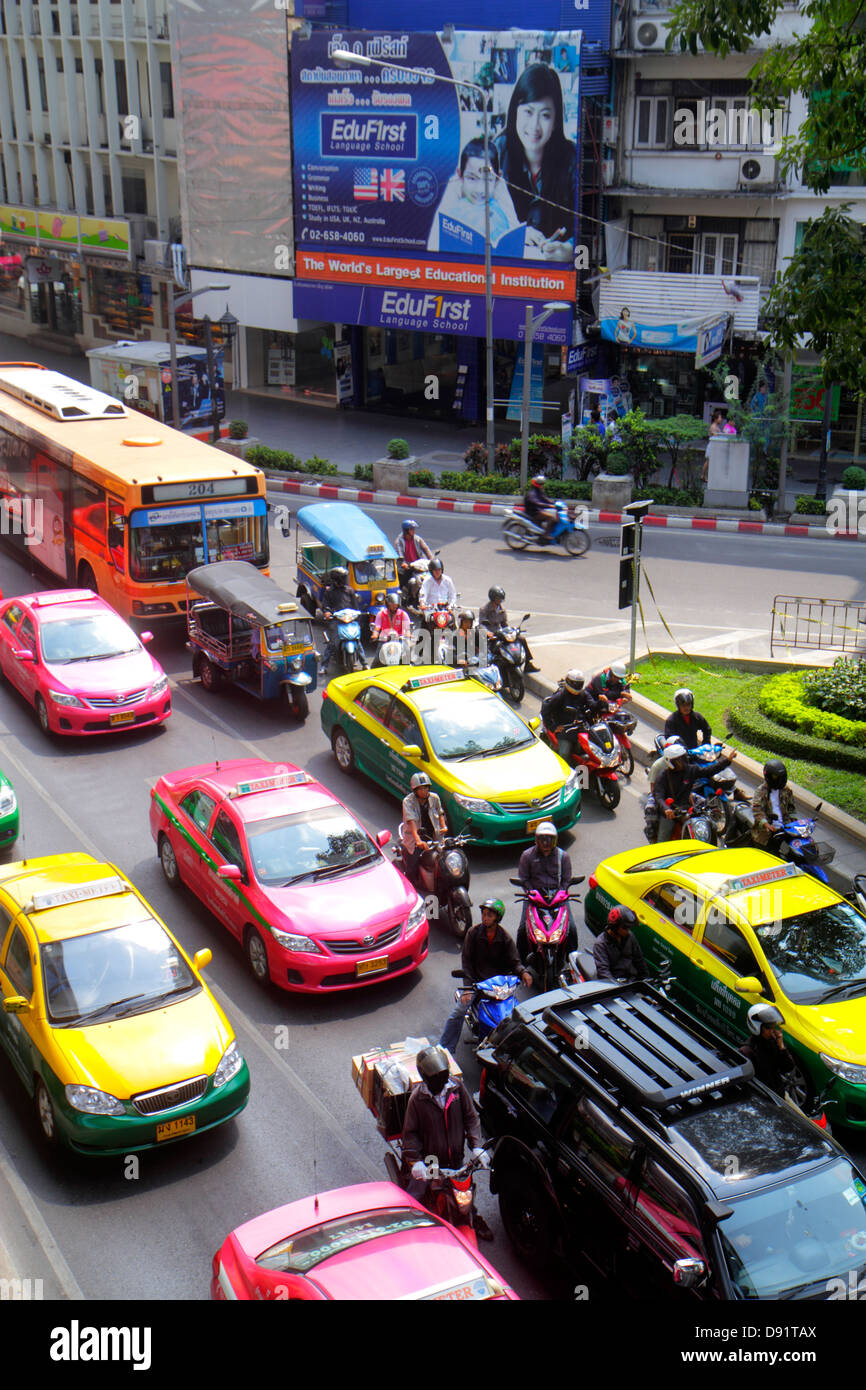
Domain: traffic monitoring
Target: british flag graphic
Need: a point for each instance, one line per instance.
(366, 188)
(392, 185)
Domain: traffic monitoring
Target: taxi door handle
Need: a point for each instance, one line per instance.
(696, 961)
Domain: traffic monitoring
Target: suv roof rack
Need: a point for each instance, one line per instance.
(647, 1048)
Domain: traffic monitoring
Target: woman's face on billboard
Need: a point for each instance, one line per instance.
(534, 123)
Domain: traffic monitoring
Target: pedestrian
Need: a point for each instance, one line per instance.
(716, 424)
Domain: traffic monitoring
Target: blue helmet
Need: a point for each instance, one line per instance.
(410, 525)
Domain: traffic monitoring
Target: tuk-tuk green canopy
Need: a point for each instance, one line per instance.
(243, 591)
(343, 527)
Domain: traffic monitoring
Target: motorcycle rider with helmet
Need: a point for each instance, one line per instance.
(610, 685)
(766, 1048)
(686, 723)
(616, 952)
(676, 781)
(773, 805)
(438, 588)
(440, 1120)
(487, 950)
(492, 617)
(336, 595)
(410, 547)
(423, 822)
(546, 867)
(390, 618)
(538, 506)
(571, 704)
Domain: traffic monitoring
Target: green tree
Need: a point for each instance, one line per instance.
(822, 290)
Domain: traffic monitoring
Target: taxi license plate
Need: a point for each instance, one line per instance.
(532, 825)
(122, 718)
(471, 1291)
(170, 1129)
(370, 967)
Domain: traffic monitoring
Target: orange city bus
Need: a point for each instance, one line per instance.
(107, 499)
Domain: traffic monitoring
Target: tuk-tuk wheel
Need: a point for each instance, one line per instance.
(209, 675)
(299, 705)
(307, 601)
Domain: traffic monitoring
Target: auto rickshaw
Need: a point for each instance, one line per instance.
(343, 536)
(244, 630)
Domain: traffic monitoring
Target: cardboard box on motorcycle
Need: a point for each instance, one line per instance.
(376, 1077)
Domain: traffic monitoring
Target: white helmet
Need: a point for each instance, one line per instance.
(759, 1014)
(673, 752)
(574, 680)
(619, 669)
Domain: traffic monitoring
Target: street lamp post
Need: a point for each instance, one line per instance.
(176, 301)
(344, 56)
(528, 334)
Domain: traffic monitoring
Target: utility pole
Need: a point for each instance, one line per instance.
(638, 511)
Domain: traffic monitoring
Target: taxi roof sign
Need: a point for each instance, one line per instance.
(287, 608)
(761, 877)
(438, 678)
(77, 893)
(267, 784)
(375, 549)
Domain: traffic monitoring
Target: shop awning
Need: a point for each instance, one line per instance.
(702, 338)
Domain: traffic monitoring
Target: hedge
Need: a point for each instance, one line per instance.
(281, 461)
(783, 700)
(478, 482)
(746, 720)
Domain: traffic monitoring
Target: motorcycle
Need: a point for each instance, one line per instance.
(722, 784)
(451, 1193)
(440, 623)
(738, 832)
(621, 723)
(394, 650)
(598, 752)
(581, 969)
(411, 580)
(519, 531)
(794, 841)
(703, 819)
(444, 881)
(349, 649)
(508, 654)
(543, 939)
(492, 1001)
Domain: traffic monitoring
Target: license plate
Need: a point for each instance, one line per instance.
(370, 967)
(532, 825)
(170, 1129)
(122, 718)
(472, 1291)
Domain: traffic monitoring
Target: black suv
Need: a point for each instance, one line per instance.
(632, 1137)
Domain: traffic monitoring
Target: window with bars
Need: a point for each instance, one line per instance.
(651, 122)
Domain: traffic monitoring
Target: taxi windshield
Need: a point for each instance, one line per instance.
(817, 955)
(793, 1239)
(94, 637)
(110, 974)
(308, 844)
(474, 728)
(299, 1253)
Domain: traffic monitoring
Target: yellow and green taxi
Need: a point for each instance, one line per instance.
(496, 779)
(104, 1018)
(740, 927)
(8, 813)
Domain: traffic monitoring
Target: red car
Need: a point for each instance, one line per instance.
(288, 869)
(79, 664)
(372, 1241)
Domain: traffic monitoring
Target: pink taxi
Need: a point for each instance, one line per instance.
(80, 666)
(288, 869)
(372, 1241)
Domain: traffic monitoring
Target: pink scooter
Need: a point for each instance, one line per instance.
(544, 941)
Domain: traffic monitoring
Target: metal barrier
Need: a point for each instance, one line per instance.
(822, 624)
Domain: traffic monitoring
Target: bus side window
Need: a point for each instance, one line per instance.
(116, 531)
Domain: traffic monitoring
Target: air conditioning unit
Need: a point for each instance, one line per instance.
(610, 130)
(757, 171)
(648, 33)
(608, 172)
(156, 255)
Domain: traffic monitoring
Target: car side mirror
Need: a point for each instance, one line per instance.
(23, 654)
(383, 838)
(16, 1004)
(689, 1273)
(748, 984)
(202, 958)
(229, 871)
(534, 723)
(411, 750)
(146, 637)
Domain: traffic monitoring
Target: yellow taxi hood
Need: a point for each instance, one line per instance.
(529, 772)
(146, 1051)
(837, 1028)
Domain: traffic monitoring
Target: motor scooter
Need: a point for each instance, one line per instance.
(411, 579)
(794, 841)
(621, 723)
(492, 1001)
(451, 1194)
(597, 751)
(519, 531)
(703, 819)
(542, 941)
(444, 881)
(508, 654)
(440, 623)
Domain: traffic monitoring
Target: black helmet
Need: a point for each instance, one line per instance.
(775, 774)
(433, 1067)
(467, 615)
(435, 564)
(621, 917)
(339, 575)
(496, 594)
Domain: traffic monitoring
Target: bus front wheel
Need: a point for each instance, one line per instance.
(86, 578)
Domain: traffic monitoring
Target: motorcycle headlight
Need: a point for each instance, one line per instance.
(160, 686)
(230, 1065)
(454, 863)
(848, 1071)
(93, 1102)
(60, 697)
(8, 801)
(476, 805)
(296, 943)
(297, 663)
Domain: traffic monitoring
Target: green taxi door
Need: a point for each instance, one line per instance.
(403, 731)
(725, 953)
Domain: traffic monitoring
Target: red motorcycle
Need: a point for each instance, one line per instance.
(621, 723)
(598, 753)
(438, 621)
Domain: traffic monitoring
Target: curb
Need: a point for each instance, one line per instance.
(331, 492)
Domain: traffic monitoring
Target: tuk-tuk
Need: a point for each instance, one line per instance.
(244, 630)
(344, 536)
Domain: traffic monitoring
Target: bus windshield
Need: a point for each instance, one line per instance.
(165, 543)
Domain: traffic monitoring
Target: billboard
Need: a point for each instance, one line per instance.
(389, 164)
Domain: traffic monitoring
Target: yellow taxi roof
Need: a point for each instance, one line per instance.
(47, 890)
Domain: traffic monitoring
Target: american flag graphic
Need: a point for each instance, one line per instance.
(366, 185)
(392, 185)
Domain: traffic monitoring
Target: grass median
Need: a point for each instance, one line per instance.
(715, 685)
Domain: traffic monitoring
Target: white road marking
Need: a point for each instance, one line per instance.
(204, 709)
(41, 1231)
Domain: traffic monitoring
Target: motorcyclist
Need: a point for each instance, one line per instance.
(686, 723)
(440, 1120)
(651, 810)
(410, 547)
(610, 684)
(773, 805)
(492, 617)
(423, 822)
(336, 595)
(487, 950)
(538, 506)
(438, 588)
(571, 704)
(392, 618)
(766, 1048)
(464, 644)
(675, 784)
(616, 952)
(547, 867)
